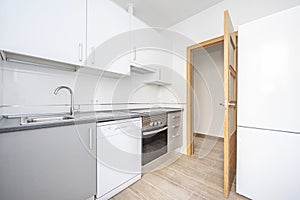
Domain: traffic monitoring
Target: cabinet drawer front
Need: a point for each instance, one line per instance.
(174, 144)
(174, 132)
(174, 116)
(176, 123)
(174, 139)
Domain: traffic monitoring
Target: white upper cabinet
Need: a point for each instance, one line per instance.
(152, 49)
(53, 30)
(150, 46)
(108, 38)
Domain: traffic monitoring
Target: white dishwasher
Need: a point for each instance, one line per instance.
(118, 156)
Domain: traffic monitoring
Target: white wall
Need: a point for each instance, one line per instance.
(209, 90)
(209, 24)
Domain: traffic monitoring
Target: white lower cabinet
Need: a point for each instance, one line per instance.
(49, 163)
(174, 130)
(118, 156)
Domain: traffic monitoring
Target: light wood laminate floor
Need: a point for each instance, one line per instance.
(188, 178)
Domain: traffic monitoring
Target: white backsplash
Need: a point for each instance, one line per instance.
(29, 89)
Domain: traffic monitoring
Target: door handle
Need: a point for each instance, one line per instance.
(231, 104)
(154, 132)
(174, 136)
(175, 126)
(134, 53)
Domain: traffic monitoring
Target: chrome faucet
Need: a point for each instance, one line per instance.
(71, 94)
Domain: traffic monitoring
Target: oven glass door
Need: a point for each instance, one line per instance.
(154, 144)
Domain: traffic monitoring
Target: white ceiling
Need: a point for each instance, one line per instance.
(165, 13)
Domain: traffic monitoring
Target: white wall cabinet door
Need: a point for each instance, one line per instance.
(107, 37)
(53, 30)
(150, 46)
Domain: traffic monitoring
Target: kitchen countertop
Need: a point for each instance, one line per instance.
(13, 124)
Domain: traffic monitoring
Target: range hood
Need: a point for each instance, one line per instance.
(157, 82)
(161, 77)
(35, 61)
(140, 69)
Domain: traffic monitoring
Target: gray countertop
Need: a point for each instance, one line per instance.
(13, 124)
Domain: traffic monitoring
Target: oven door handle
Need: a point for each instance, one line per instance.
(154, 132)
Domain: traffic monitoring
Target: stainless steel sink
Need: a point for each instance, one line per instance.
(44, 119)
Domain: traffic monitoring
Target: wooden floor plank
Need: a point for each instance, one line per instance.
(188, 178)
(170, 188)
(148, 191)
(128, 194)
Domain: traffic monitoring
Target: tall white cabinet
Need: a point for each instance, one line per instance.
(53, 30)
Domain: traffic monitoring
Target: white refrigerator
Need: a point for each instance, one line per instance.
(268, 137)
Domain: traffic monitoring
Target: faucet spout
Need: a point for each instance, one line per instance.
(71, 95)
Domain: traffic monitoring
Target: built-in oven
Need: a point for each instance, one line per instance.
(154, 137)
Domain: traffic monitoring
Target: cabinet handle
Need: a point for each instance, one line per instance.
(174, 136)
(174, 117)
(80, 52)
(176, 126)
(91, 138)
(134, 53)
(93, 55)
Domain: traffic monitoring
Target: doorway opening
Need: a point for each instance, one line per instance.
(204, 83)
(209, 92)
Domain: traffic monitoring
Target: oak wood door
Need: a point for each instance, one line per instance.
(230, 96)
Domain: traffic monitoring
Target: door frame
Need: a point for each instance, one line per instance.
(190, 88)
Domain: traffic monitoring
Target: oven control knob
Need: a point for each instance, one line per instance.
(151, 123)
(160, 122)
(155, 123)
